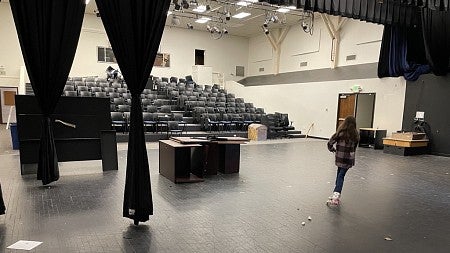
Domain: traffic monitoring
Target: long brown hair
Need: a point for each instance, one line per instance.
(347, 130)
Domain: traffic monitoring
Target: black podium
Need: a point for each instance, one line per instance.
(82, 131)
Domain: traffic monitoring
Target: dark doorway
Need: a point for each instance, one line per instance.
(360, 105)
(199, 57)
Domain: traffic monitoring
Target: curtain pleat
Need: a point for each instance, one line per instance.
(48, 32)
(134, 28)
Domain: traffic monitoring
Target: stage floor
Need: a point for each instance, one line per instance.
(280, 184)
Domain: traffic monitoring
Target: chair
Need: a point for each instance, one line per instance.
(212, 99)
(231, 109)
(231, 104)
(82, 88)
(164, 79)
(179, 118)
(100, 94)
(167, 109)
(146, 102)
(173, 79)
(226, 122)
(213, 122)
(220, 104)
(96, 89)
(68, 88)
(210, 110)
(118, 120)
(90, 85)
(70, 93)
(260, 110)
(79, 83)
(231, 100)
(149, 120)
(85, 94)
(251, 110)
(197, 113)
(210, 104)
(114, 95)
(173, 128)
(122, 90)
(116, 85)
(123, 108)
(112, 107)
(108, 89)
(152, 108)
(158, 102)
(181, 80)
(118, 101)
(221, 99)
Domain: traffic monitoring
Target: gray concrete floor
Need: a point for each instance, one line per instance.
(260, 209)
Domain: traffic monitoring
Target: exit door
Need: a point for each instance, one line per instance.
(360, 105)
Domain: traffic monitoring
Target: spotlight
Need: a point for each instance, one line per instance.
(208, 28)
(175, 21)
(266, 23)
(193, 2)
(177, 5)
(265, 30)
(225, 31)
(208, 7)
(189, 26)
(228, 15)
(305, 26)
(185, 4)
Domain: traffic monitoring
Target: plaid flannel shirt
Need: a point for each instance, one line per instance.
(345, 151)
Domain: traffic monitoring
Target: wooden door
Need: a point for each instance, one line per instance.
(7, 102)
(346, 107)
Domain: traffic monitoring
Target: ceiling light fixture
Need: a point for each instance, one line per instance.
(241, 15)
(203, 20)
(200, 9)
(265, 30)
(283, 10)
(190, 26)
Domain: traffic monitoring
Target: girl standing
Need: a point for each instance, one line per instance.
(343, 143)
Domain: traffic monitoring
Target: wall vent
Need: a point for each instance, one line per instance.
(261, 69)
(351, 57)
(303, 64)
(240, 71)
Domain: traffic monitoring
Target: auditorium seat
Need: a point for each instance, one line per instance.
(149, 120)
(100, 94)
(68, 93)
(123, 108)
(85, 94)
(96, 89)
(118, 120)
(68, 88)
(152, 108)
(82, 88)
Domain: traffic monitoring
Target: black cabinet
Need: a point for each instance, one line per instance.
(371, 138)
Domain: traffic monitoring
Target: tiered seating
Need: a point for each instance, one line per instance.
(169, 101)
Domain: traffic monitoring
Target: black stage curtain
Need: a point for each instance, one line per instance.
(135, 28)
(436, 34)
(48, 32)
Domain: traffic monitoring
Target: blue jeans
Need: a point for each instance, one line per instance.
(340, 179)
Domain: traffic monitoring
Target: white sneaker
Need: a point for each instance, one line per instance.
(334, 200)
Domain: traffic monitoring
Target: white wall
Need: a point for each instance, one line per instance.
(360, 38)
(317, 102)
(222, 55)
(10, 53)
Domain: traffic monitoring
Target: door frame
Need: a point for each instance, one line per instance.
(355, 110)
